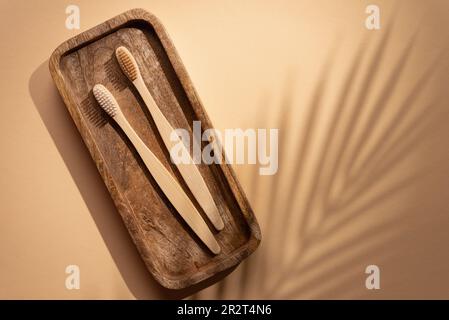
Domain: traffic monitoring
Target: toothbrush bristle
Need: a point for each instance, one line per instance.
(127, 63)
(105, 99)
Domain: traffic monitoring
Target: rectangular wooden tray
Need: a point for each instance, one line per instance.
(172, 254)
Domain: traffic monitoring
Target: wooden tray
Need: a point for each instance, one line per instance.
(173, 255)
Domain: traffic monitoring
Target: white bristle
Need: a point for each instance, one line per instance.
(105, 99)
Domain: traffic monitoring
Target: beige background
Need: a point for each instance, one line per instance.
(363, 175)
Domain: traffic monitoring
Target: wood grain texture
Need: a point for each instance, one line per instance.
(171, 252)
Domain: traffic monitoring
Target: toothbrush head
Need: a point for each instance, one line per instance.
(106, 100)
(127, 63)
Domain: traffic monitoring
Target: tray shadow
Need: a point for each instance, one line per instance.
(75, 154)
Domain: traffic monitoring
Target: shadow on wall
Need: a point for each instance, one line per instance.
(82, 168)
(373, 189)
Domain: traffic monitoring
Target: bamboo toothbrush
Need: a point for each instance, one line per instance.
(189, 172)
(164, 179)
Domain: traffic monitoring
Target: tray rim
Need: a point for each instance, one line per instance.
(97, 32)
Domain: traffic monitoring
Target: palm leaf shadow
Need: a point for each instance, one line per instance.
(406, 182)
(336, 160)
(387, 193)
(317, 180)
(381, 148)
(379, 106)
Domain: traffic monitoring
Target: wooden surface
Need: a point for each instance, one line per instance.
(169, 249)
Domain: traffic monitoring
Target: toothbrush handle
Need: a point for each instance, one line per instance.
(170, 187)
(189, 172)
